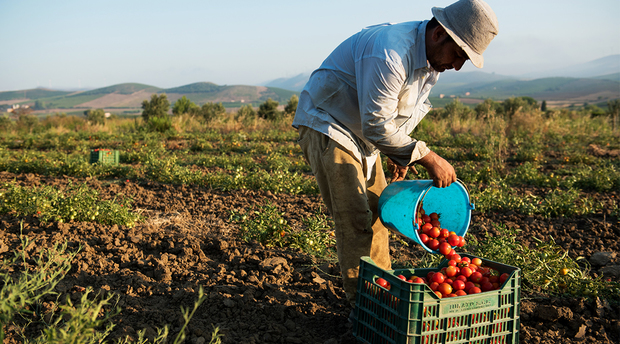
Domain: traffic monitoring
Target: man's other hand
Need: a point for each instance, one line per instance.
(399, 172)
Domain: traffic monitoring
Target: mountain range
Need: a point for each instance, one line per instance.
(592, 82)
(130, 96)
(595, 82)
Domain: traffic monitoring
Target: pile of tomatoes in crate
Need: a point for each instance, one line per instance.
(462, 276)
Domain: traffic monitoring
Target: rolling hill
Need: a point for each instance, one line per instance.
(131, 96)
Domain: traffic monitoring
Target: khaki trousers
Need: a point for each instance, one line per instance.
(352, 201)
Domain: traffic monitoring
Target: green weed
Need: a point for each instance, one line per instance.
(74, 203)
(26, 282)
(499, 196)
(545, 266)
(267, 225)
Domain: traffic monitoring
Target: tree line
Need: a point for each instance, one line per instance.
(155, 111)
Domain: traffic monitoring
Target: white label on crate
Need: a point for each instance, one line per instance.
(469, 305)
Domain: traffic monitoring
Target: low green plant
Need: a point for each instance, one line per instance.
(267, 225)
(166, 170)
(317, 238)
(545, 266)
(500, 196)
(77, 202)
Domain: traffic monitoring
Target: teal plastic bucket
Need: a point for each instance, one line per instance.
(399, 201)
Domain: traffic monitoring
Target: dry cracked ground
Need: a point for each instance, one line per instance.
(270, 295)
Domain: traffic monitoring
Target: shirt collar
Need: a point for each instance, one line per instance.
(420, 48)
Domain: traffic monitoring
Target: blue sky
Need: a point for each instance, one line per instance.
(90, 43)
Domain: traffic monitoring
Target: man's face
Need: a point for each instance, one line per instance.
(446, 55)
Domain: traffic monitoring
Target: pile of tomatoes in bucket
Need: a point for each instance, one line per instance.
(434, 237)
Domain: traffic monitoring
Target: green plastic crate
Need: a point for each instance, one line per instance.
(104, 156)
(412, 313)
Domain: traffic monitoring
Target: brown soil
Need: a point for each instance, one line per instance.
(268, 295)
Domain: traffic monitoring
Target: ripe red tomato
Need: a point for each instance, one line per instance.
(445, 248)
(424, 238)
(487, 286)
(451, 271)
(438, 277)
(433, 244)
(426, 218)
(434, 216)
(456, 257)
(454, 240)
(434, 232)
(466, 260)
(474, 290)
(466, 271)
(469, 285)
(462, 243)
(475, 277)
(503, 277)
(426, 227)
(438, 293)
(463, 264)
(435, 223)
(460, 293)
(433, 286)
(444, 289)
(451, 262)
(402, 277)
(429, 275)
(382, 282)
(458, 285)
(444, 233)
(461, 278)
(417, 280)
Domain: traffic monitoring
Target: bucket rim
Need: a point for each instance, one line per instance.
(420, 202)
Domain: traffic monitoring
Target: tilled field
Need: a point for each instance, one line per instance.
(270, 295)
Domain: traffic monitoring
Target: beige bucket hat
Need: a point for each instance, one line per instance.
(472, 24)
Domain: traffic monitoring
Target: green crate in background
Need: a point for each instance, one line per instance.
(412, 313)
(104, 156)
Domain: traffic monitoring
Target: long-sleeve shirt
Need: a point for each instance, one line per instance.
(371, 92)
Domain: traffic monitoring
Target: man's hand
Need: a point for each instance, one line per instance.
(399, 172)
(439, 169)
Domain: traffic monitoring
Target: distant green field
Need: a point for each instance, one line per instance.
(31, 94)
(63, 102)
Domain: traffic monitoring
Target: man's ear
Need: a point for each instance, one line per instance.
(439, 33)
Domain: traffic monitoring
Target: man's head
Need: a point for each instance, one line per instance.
(469, 25)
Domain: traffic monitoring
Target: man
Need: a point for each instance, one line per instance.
(365, 99)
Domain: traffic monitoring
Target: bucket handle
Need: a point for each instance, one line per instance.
(472, 206)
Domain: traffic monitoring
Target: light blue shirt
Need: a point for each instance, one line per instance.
(371, 92)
